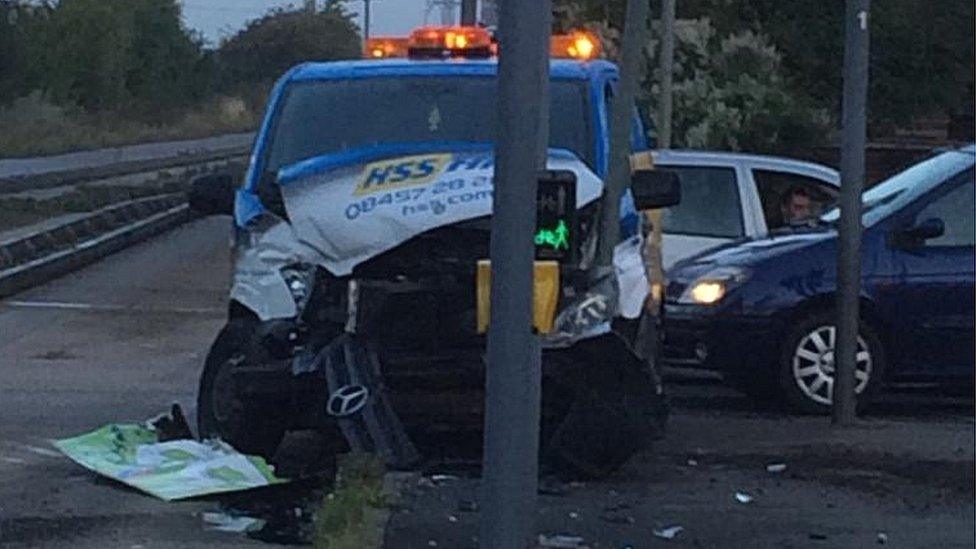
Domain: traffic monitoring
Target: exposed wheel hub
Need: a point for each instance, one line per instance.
(827, 362)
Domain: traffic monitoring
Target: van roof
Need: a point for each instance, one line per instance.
(562, 69)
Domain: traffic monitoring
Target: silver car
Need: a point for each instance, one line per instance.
(727, 196)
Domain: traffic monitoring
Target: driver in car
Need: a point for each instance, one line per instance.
(795, 206)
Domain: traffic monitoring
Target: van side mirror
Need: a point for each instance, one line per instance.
(653, 189)
(918, 234)
(212, 194)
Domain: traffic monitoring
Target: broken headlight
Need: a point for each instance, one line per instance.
(300, 279)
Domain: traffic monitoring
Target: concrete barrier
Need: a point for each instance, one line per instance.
(42, 256)
(70, 177)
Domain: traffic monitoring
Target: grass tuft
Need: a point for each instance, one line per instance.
(354, 514)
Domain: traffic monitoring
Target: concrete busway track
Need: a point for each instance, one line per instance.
(138, 193)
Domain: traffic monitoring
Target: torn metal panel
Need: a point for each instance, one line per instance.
(631, 276)
(263, 251)
(613, 407)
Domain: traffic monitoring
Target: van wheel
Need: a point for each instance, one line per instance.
(806, 371)
(222, 412)
(600, 407)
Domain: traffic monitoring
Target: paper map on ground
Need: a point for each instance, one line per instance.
(178, 469)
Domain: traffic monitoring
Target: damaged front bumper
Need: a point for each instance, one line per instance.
(597, 394)
(391, 353)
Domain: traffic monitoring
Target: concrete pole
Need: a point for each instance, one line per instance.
(447, 13)
(635, 36)
(849, 231)
(667, 74)
(489, 13)
(469, 12)
(513, 376)
(366, 18)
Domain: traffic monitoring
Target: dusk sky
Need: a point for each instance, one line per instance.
(217, 19)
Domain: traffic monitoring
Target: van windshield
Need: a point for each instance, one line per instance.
(318, 118)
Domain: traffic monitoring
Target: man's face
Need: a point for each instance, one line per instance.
(797, 209)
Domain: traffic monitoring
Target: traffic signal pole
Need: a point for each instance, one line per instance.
(632, 44)
(853, 138)
(667, 74)
(513, 376)
(366, 18)
(469, 12)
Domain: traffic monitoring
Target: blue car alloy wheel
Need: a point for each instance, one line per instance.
(807, 364)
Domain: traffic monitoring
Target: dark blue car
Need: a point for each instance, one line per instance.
(760, 310)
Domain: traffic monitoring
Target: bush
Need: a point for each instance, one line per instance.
(35, 125)
(731, 93)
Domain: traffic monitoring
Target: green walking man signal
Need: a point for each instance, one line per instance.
(556, 239)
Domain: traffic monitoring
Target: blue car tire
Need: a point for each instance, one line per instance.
(806, 365)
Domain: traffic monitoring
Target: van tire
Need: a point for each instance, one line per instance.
(251, 429)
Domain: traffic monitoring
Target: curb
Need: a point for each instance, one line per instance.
(45, 255)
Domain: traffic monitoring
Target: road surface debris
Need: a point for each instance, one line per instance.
(776, 467)
(743, 497)
(668, 533)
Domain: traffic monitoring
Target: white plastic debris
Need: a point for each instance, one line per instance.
(692, 463)
(452, 518)
(442, 478)
(230, 523)
(573, 515)
(776, 467)
(561, 541)
(743, 497)
(668, 533)
(882, 538)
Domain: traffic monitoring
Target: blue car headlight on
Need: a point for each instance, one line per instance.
(713, 286)
(300, 279)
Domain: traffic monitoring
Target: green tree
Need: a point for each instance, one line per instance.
(921, 63)
(88, 52)
(11, 40)
(167, 66)
(102, 54)
(922, 51)
(269, 46)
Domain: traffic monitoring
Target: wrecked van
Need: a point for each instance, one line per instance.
(361, 239)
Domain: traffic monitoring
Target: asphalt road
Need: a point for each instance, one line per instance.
(123, 339)
(118, 341)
